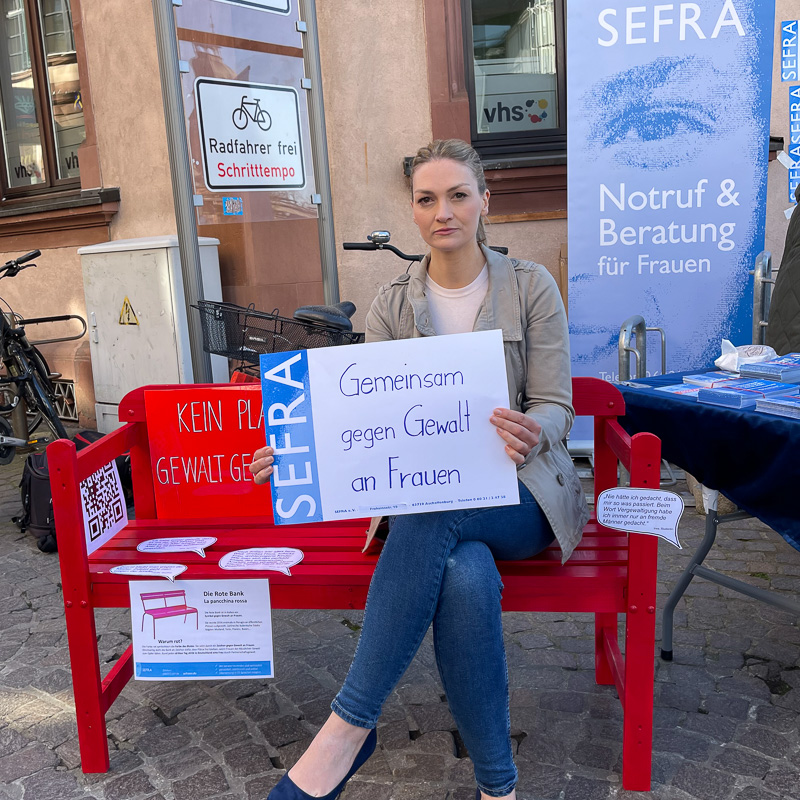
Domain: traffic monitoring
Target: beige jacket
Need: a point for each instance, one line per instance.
(523, 301)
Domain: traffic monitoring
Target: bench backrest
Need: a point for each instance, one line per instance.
(199, 440)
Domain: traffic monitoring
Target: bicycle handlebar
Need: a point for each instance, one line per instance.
(16, 264)
(374, 246)
(28, 256)
(400, 253)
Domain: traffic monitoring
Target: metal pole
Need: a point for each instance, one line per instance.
(319, 149)
(762, 293)
(182, 190)
(632, 327)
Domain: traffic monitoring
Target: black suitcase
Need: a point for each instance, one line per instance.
(37, 500)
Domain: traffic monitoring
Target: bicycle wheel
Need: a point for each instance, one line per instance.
(263, 120)
(44, 371)
(8, 395)
(7, 451)
(34, 415)
(239, 118)
(44, 402)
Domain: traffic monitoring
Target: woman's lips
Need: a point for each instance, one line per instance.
(445, 231)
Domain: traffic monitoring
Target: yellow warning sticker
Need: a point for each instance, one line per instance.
(127, 316)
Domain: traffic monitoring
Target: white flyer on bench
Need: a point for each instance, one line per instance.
(398, 427)
(201, 630)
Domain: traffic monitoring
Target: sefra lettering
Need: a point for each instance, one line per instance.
(293, 468)
(681, 20)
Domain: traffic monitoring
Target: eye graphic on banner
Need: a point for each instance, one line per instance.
(652, 116)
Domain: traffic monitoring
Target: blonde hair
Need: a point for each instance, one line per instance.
(454, 150)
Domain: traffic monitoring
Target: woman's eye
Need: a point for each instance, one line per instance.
(459, 195)
(423, 200)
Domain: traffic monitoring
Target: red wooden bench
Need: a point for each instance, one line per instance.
(610, 573)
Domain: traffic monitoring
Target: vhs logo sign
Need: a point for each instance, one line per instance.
(250, 134)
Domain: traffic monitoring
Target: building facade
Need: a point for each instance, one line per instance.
(85, 156)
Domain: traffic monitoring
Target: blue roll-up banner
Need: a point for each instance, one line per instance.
(668, 123)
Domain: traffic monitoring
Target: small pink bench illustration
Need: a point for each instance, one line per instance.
(174, 605)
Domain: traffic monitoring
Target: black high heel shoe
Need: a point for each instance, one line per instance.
(287, 789)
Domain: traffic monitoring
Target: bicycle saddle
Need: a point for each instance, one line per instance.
(335, 316)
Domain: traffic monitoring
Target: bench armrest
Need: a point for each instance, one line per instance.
(62, 452)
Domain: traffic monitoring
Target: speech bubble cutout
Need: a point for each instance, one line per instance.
(652, 511)
(178, 544)
(277, 559)
(170, 571)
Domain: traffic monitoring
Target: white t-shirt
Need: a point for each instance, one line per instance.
(455, 310)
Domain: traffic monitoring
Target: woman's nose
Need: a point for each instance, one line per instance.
(443, 212)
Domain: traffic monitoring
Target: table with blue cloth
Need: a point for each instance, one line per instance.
(751, 457)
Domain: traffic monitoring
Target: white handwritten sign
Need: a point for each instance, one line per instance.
(396, 427)
(651, 511)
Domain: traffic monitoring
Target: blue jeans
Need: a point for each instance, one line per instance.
(439, 568)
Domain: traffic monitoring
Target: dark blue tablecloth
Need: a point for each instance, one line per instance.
(751, 457)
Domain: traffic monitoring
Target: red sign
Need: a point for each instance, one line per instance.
(201, 443)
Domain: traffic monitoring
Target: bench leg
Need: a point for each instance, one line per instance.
(637, 732)
(602, 669)
(87, 687)
(640, 643)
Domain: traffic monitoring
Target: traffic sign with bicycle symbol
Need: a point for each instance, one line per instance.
(251, 110)
(251, 135)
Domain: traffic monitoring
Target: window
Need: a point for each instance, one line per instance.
(41, 110)
(516, 82)
(525, 162)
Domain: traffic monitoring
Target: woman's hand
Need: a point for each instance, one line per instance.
(261, 465)
(519, 431)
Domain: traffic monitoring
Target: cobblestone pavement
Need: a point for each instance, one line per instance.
(726, 717)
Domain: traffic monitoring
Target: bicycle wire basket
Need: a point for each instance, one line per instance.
(245, 333)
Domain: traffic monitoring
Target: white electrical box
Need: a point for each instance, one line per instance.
(136, 312)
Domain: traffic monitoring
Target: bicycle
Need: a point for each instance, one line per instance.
(241, 116)
(243, 334)
(26, 370)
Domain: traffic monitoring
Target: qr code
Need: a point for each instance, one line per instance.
(103, 501)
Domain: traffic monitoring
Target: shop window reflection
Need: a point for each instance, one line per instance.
(515, 66)
(40, 96)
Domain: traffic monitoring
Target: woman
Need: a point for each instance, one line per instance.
(439, 568)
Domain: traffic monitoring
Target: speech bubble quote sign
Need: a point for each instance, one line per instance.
(652, 511)
(178, 544)
(277, 559)
(398, 427)
(169, 571)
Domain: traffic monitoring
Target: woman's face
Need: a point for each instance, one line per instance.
(447, 204)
